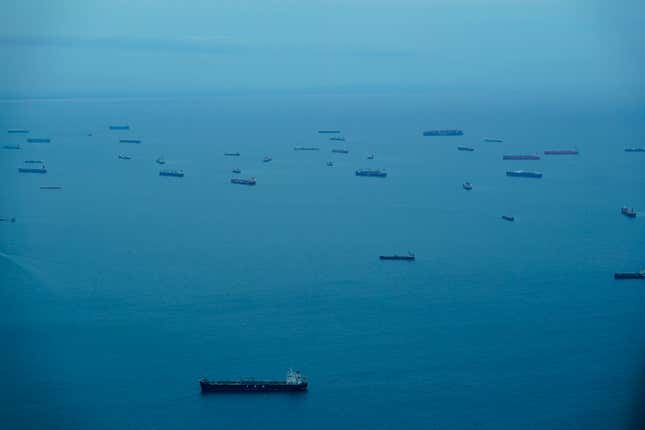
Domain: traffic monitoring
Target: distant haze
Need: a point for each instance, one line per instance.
(484, 48)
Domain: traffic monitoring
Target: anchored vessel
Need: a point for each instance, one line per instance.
(329, 131)
(17, 130)
(237, 171)
(370, 157)
(465, 148)
(295, 382)
(130, 140)
(524, 174)
(371, 172)
(561, 152)
(119, 127)
(176, 173)
(232, 154)
(51, 187)
(267, 159)
(41, 169)
(330, 163)
(337, 138)
(124, 157)
(634, 149)
(340, 151)
(491, 139)
(409, 257)
(508, 218)
(453, 132)
(38, 140)
(34, 161)
(630, 275)
(11, 147)
(468, 186)
(160, 160)
(521, 157)
(305, 148)
(249, 181)
(628, 212)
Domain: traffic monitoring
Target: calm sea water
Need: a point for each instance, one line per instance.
(123, 289)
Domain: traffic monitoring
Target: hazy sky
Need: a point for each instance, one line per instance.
(581, 47)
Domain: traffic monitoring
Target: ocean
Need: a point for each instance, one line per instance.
(124, 288)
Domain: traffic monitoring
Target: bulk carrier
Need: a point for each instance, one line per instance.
(295, 382)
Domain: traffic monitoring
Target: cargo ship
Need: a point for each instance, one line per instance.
(409, 257)
(33, 161)
(17, 130)
(630, 275)
(267, 159)
(520, 157)
(11, 146)
(508, 218)
(465, 148)
(8, 219)
(124, 157)
(232, 154)
(561, 152)
(130, 140)
(51, 187)
(38, 140)
(524, 174)
(294, 382)
(467, 186)
(240, 181)
(32, 169)
(175, 173)
(329, 131)
(119, 127)
(337, 138)
(306, 148)
(493, 140)
(340, 151)
(634, 149)
(371, 172)
(628, 212)
(453, 132)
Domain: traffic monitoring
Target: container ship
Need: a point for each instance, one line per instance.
(17, 131)
(240, 181)
(38, 140)
(634, 149)
(51, 187)
(524, 174)
(294, 382)
(232, 154)
(119, 127)
(465, 148)
(329, 131)
(409, 257)
(340, 151)
(41, 169)
(561, 152)
(628, 212)
(520, 157)
(454, 132)
(371, 172)
(630, 275)
(130, 140)
(33, 161)
(493, 140)
(305, 148)
(175, 173)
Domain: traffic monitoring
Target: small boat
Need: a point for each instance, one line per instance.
(160, 160)
(330, 164)
(493, 140)
(33, 161)
(524, 174)
(508, 218)
(130, 140)
(328, 131)
(628, 212)
(337, 138)
(267, 159)
(630, 275)
(305, 148)
(370, 157)
(232, 154)
(520, 157)
(371, 172)
(240, 181)
(561, 152)
(32, 169)
(11, 146)
(176, 173)
(124, 157)
(340, 151)
(237, 171)
(51, 187)
(634, 149)
(409, 257)
(465, 148)
(38, 140)
(17, 131)
(119, 127)
(468, 186)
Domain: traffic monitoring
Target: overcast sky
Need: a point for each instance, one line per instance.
(76, 47)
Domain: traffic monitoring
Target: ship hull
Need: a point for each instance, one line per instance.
(524, 174)
(396, 257)
(433, 133)
(520, 157)
(252, 387)
(629, 276)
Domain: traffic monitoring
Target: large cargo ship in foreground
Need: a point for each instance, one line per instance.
(524, 174)
(295, 382)
(453, 132)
